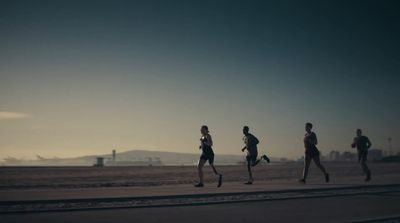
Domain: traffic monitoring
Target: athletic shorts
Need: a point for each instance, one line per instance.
(312, 152)
(208, 156)
(251, 158)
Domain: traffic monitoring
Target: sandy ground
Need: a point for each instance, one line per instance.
(92, 177)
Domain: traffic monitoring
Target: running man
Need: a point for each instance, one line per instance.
(206, 144)
(251, 142)
(311, 153)
(362, 144)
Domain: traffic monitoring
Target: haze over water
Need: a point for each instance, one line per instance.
(80, 78)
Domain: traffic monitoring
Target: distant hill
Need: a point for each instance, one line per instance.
(133, 157)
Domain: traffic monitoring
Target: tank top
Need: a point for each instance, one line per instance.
(308, 139)
(205, 147)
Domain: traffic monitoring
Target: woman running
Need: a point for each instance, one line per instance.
(206, 144)
(312, 153)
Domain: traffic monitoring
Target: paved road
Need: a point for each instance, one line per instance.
(332, 209)
(185, 189)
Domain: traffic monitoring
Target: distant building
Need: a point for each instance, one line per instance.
(337, 156)
(99, 162)
(348, 156)
(334, 156)
(114, 155)
(375, 154)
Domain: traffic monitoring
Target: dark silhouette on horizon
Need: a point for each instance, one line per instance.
(312, 153)
(362, 143)
(206, 144)
(251, 143)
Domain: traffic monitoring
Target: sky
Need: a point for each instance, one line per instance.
(86, 77)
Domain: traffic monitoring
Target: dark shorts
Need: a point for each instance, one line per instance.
(312, 152)
(251, 158)
(208, 156)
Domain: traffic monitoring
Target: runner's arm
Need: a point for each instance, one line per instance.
(209, 141)
(369, 144)
(245, 140)
(314, 139)
(353, 145)
(256, 141)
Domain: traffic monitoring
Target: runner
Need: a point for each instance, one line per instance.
(206, 144)
(251, 142)
(362, 144)
(312, 153)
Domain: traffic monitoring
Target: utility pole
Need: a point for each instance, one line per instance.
(114, 155)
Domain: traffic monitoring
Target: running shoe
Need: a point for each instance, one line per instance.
(327, 178)
(368, 176)
(266, 158)
(199, 185)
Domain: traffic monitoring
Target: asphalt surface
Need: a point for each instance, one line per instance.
(380, 207)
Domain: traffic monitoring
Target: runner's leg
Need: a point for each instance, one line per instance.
(317, 161)
(249, 169)
(214, 169)
(307, 162)
(216, 172)
(365, 168)
(200, 169)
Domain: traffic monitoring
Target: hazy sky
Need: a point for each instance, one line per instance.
(86, 77)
